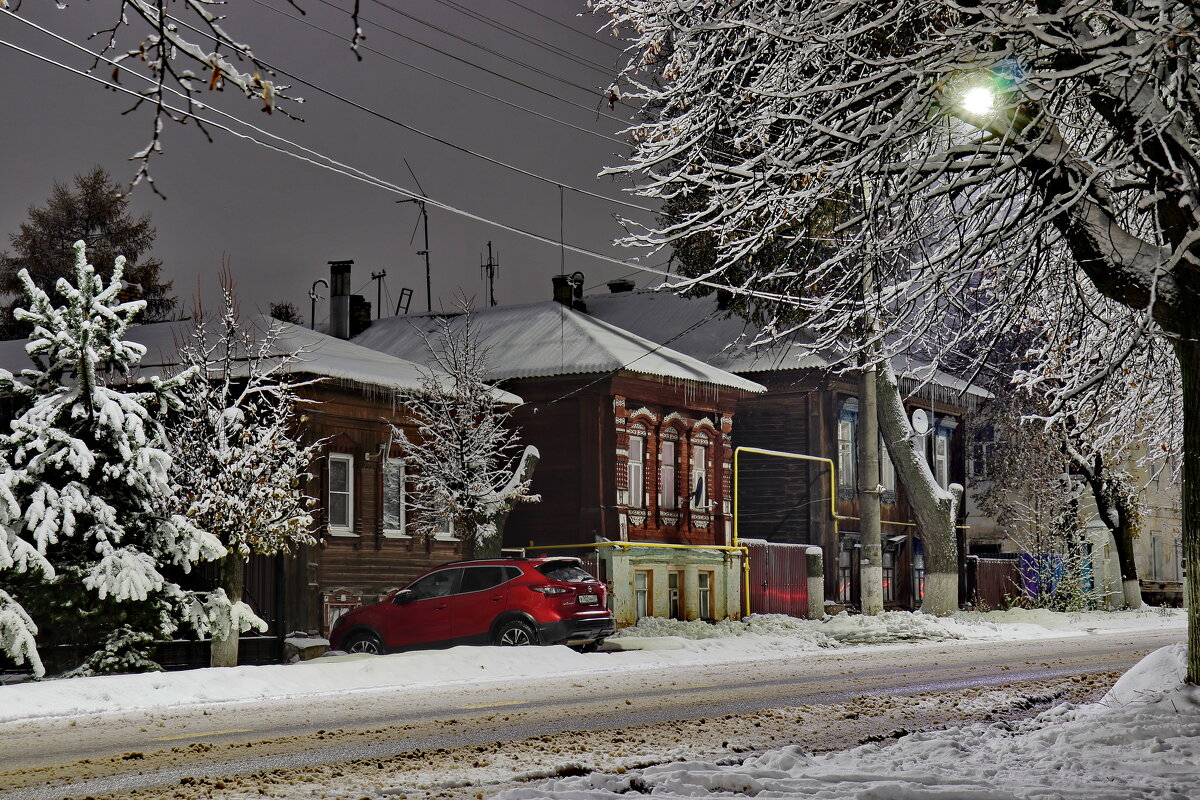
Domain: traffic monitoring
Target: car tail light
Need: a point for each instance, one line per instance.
(548, 590)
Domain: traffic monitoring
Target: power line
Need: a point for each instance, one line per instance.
(565, 25)
(443, 78)
(526, 37)
(478, 46)
(425, 134)
(354, 173)
(461, 60)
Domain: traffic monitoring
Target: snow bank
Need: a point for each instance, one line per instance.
(653, 644)
(1143, 740)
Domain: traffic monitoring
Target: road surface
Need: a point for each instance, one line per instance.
(116, 752)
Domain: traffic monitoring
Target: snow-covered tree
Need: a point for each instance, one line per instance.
(238, 458)
(85, 477)
(1015, 151)
(462, 466)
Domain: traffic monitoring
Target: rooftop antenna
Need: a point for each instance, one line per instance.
(488, 272)
(378, 278)
(420, 201)
(314, 297)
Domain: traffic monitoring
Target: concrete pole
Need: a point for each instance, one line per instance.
(815, 561)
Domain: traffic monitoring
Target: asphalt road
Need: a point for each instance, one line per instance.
(94, 755)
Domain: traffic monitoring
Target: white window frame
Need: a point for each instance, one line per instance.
(887, 470)
(667, 475)
(337, 528)
(847, 430)
(402, 531)
(636, 472)
(941, 457)
(446, 535)
(699, 500)
(642, 595)
(704, 587)
(675, 594)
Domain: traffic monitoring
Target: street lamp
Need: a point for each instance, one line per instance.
(977, 101)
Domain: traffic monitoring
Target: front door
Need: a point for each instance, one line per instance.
(424, 616)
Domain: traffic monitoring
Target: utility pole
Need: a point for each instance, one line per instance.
(378, 278)
(424, 218)
(488, 271)
(314, 297)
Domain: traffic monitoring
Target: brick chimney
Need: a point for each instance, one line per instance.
(568, 290)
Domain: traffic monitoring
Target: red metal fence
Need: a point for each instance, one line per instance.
(778, 578)
(993, 582)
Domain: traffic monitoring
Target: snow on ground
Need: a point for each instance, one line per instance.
(654, 644)
(1142, 740)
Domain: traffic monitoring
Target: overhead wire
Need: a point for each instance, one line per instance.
(504, 57)
(354, 173)
(433, 137)
(461, 60)
(561, 24)
(478, 16)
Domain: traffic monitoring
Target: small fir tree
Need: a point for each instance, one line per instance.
(85, 481)
(462, 467)
(95, 212)
(237, 457)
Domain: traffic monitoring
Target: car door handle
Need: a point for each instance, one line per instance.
(497, 598)
(442, 607)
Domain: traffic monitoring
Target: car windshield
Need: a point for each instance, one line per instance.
(564, 571)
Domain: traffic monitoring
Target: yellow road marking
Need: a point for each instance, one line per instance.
(201, 734)
(494, 705)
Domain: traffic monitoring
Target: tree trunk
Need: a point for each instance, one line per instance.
(871, 564)
(1187, 349)
(1115, 517)
(935, 508)
(491, 542)
(232, 580)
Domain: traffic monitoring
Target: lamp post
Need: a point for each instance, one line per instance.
(425, 219)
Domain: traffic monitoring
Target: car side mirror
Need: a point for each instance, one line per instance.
(403, 596)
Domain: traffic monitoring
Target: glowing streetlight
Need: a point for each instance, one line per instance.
(978, 101)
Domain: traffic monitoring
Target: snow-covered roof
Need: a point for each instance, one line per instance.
(314, 354)
(548, 338)
(697, 327)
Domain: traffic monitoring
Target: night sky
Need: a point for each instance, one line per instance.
(279, 220)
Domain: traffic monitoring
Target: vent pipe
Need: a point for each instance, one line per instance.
(339, 298)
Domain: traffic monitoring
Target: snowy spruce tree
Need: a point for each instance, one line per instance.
(462, 467)
(86, 539)
(238, 458)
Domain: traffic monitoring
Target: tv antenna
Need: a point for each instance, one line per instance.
(488, 273)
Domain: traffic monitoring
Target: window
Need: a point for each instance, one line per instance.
(666, 476)
(340, 502)
(889, 575)
(445, 522)
(436, 584)
(887, 473)
(673, 586)
(565, 571)
(941, 458)
(699, 484)
(637, 472)
(642, 585)
(847, 446)
(393, 498)
(704, 594)
(476, 579)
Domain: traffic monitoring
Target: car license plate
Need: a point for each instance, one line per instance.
(588, 599)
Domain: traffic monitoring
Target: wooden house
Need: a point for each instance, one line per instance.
(635, 440)
(364, 543)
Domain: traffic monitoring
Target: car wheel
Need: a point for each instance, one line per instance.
(515, 633)
(363, 643)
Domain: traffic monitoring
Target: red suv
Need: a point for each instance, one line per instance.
(511, 601)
